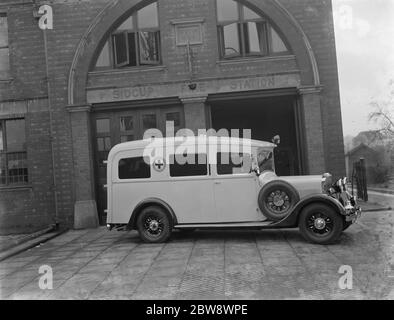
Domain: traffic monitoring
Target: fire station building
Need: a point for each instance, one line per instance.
(111, 69)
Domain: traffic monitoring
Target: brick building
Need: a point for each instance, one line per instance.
(110, 69)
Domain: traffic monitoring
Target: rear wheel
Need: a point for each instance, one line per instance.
(154, 225)
(319, 223)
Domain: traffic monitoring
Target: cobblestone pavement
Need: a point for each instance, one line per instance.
(97, 264)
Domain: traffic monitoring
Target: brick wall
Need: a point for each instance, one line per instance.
(31, 207)
(25, 94)
(316, 20)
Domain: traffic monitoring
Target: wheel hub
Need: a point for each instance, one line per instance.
(320, 223)
(154, 225)
(279, 200)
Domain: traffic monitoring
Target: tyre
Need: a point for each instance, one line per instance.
(154, 225)
(277, 199)
(320, 223)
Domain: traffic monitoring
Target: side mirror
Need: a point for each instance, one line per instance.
(276, 140)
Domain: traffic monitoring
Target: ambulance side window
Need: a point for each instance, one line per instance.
(134, 168)
(191, 165)
(233, 163)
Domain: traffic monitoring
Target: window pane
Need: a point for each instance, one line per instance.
(103, 59)
(104, 144)
(231, 39)
(126, 138)
(175, 117)
(196, 167)
(127, 25)
(1, 137)
(148, 122)
(126, 124)
(250, 14)
(103, 126)
(3, 31)
(121, 49)
(107, 143)
(265, 160)
(2, 169)
(134, 168)
(233, 163)
(100, 144)
(17, 168)
(254, 37)
(227, 10)
(149, 47)
(15, 135)
(148, 17)
(4, 60)
(277, 44)
(132, 50)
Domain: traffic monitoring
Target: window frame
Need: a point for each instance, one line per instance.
(243, 32)
(6, 74)
(125, 34)
(6, 153)
(137, 31)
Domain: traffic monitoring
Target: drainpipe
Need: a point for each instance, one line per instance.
(56, 218)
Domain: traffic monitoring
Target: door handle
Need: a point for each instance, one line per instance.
(218, 183)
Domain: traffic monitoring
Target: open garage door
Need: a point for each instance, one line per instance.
(266, 117)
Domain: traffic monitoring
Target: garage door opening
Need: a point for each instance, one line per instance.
(266, 117)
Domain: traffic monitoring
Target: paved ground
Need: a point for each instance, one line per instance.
(97, 264)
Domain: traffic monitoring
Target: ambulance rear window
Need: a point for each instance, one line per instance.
(134, 168)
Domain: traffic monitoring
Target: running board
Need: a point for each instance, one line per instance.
(225, 225)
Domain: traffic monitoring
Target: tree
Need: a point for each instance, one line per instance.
(383, 115)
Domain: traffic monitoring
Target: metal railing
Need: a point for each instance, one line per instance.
(359, 179)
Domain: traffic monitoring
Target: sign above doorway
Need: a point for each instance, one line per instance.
(181, 89)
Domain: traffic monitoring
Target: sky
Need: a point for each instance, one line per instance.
(364, 31)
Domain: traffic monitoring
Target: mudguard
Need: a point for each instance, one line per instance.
(291, 221)
(151, 202)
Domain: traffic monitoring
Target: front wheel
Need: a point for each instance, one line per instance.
(319, 223)
(154, 226)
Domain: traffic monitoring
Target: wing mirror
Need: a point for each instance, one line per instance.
(276, 140)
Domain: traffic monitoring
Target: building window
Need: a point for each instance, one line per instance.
(136, 42)
(4, 49)
(13, 156)
(242, 32)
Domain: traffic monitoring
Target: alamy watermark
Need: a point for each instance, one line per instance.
(345, 282)
(45, 282)
(184, 147)
(46, 17)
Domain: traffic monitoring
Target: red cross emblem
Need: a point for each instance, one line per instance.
(159, 165)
